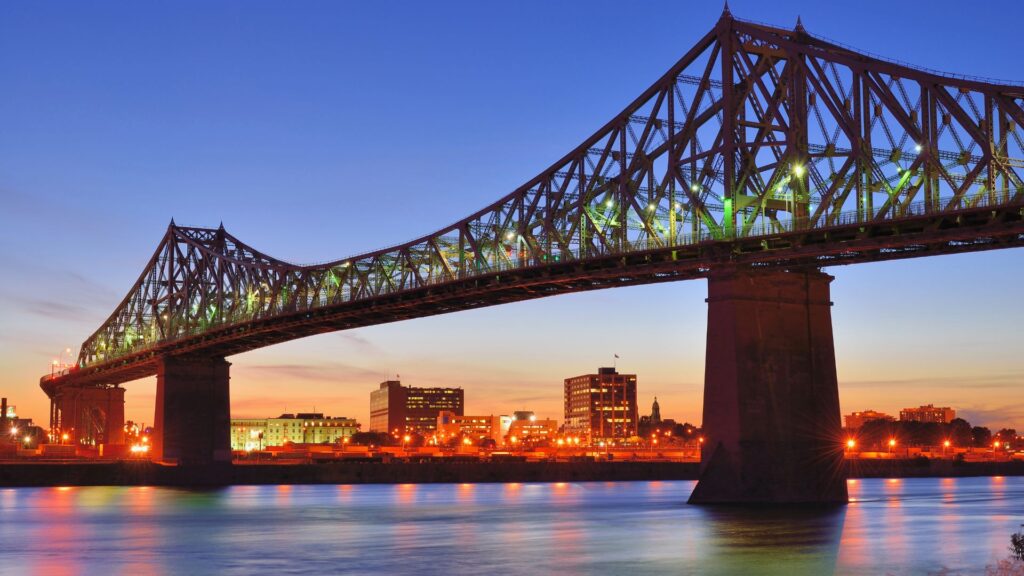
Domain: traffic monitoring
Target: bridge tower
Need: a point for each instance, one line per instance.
(771, 398)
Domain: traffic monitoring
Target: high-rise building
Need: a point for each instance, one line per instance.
(601, 406)
(397, 409)
(928, 413)
(857, 419)
(301, 428)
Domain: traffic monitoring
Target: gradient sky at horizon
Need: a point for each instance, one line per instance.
(317, 130)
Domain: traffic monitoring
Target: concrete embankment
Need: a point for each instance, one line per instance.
(149, 474)
(146, 473)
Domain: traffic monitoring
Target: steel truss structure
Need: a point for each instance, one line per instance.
(762, 146)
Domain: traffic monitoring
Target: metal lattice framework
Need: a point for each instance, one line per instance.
(761, 146)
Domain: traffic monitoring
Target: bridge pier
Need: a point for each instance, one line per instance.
(771, 399)
(193, 411)
(92, 415)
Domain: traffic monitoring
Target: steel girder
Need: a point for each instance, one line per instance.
(761, 145)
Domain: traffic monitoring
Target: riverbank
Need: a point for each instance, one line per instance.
(137, 473)
(150, 474)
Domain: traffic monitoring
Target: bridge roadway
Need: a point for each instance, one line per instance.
(763, 156)
(968, 230)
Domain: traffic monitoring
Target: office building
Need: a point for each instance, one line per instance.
(601, 406)
(928, 413)
(857, 419)
(531, 431)
(301, 428)
(397, 409)
(451, 424)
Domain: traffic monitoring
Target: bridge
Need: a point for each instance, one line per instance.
(762, 156)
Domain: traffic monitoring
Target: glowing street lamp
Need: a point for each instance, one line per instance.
(892, 444)
(945, 445)
(851, 443)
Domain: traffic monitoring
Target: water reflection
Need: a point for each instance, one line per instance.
(906, 527)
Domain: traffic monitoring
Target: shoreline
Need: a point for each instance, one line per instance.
(142, 473)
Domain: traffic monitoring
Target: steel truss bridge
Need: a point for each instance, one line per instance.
(762, 147)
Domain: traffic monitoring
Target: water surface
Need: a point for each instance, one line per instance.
(908, 526)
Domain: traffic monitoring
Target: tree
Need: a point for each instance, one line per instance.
(371, 439)
(982, 436)
(1017, 545)
(1007, 436)
(960, 432)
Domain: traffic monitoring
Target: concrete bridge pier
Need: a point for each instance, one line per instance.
(771, 399)
(193, 411)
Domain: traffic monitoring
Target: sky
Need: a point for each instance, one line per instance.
(319, 130)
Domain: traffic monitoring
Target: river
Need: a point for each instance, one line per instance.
(905, 526)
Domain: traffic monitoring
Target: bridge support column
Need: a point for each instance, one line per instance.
(193, 411)
(771, 399)
(91, 415)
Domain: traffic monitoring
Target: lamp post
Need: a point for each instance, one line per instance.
(892, 444)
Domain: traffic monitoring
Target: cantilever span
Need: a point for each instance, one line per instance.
(761, 145)
(762, 148)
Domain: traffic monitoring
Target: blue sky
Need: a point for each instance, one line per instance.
(317, 130)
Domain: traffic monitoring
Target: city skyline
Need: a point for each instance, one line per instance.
(935, 330)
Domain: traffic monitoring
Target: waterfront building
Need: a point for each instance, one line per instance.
(396, 409)
(857, 419)
(301, 428)
(929, 413)
(601, 406)
(476, 427)
(531, 430)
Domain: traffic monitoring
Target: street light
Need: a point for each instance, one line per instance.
(892, 443)
(945, 445)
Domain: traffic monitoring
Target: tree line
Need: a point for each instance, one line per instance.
(958, 432)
